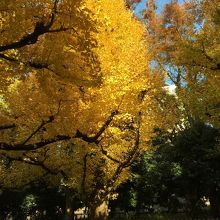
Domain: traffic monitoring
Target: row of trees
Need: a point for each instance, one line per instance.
(82, 89)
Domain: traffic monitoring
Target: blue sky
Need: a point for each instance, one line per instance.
(160, 4)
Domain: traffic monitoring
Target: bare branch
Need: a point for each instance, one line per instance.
(107, 155)
(94, 139)
(9, 126)
(43, 123)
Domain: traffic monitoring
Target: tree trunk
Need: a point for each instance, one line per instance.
(69, 214)
(215, 205)
(192, 199)
(99, 212)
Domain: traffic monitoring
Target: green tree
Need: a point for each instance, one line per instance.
(184, 164)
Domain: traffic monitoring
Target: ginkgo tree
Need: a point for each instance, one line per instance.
(185, 41)
(78, 102)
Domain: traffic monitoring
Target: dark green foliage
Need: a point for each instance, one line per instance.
(36, 202)
(184, 165)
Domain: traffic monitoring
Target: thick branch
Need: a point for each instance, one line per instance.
(35, 65)
(32, 38)
(108, 155)
(131, 156)
(35, 146)
(94, 139)
(44, 122)
(29, 147)
(39, 29)
(11, 59)
(34, 162)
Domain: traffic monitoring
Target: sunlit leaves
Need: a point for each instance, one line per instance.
(83, 62)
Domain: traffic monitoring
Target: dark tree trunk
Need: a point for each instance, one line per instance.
(215, 205)
(192, 199)
(69, 212)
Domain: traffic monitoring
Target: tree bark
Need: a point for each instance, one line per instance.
(99, 211)
(69, 212)
(192, 199)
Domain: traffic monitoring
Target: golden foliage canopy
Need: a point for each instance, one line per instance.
(77, 97)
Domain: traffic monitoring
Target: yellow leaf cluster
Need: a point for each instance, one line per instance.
(94, 61)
